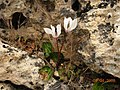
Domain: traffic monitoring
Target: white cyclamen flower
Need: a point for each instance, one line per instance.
(54, 32)
(69, 24)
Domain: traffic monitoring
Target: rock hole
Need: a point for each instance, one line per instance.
(116, 26)
(2, 87)
(2, 6)
(113, 2)
(31, 83)
(6, 1)
(5, 46)
(10, 60)
(18, 20)
(66, 0)
(109, 16)
(103, 5)
(3, 31)
(76, 5)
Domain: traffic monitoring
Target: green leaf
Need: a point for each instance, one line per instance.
(47, 48)
(54, 56)
(98, 86)
(46, 72)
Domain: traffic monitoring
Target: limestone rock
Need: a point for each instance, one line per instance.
(17, 67)
(102, 50)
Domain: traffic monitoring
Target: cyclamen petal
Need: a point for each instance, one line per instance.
(73, 25)
(66, 21)
(52, 31)
(58, 29)
(69, 24)
(70, 21)
(52, 27)
(47, 30)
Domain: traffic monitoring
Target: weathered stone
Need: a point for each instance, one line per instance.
(102, 50)
(17, 67)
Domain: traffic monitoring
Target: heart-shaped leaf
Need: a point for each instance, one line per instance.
(46, 73)
(47, 48)
(56, 55)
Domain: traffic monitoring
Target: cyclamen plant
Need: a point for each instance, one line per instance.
(55, 31)
(69, 25)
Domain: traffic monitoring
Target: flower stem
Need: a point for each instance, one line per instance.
(71, 50)
(58, 53)
(62, 46)
(57, 44)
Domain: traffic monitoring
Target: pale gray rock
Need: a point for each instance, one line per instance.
(17, 67)
(103, 48)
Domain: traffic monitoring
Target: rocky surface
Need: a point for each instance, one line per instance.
(98, 34)
(17, 67)
(103, 48)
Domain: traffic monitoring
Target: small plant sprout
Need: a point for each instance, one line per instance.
(54, 32)
(69, 24)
